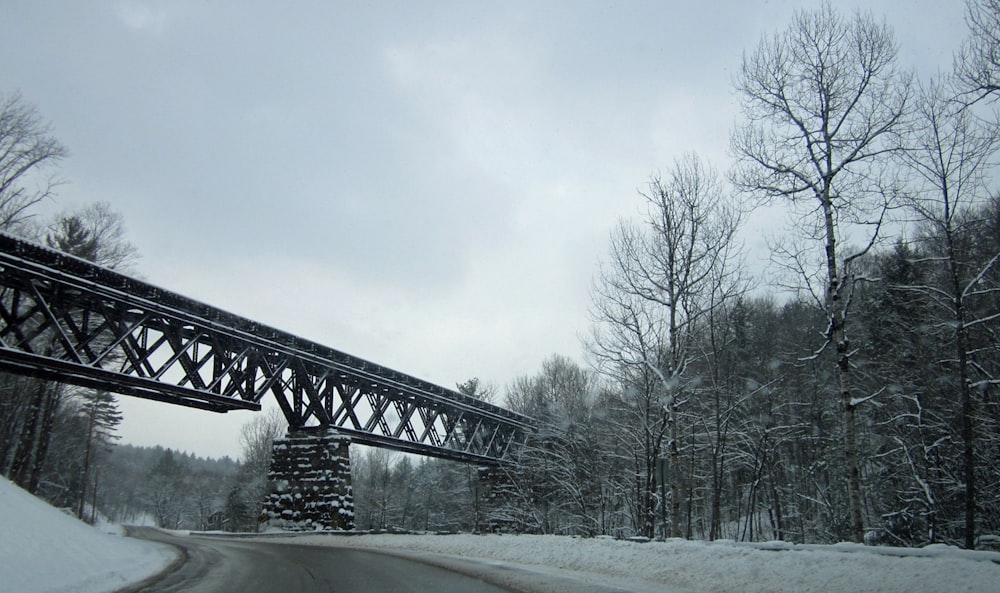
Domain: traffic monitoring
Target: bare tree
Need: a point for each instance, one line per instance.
(951, 157)
(823, 102)
(977, 64)
(27, 153)
(257, 437)
(625, 334)
(661, 283)
(478, 389)
(96, 233)
(250, 487)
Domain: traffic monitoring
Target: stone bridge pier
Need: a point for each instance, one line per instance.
(310, 481)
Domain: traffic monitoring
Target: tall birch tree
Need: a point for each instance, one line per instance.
(822, 105)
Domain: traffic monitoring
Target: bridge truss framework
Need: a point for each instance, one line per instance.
(66, 319)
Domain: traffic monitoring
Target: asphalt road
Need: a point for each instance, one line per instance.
(216, 565)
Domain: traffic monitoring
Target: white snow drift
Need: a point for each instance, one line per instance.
(43, 550)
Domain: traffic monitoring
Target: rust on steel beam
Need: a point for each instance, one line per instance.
(66, 319)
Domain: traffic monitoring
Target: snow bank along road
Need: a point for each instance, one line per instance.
(676, 566)
(554, 564)
(43, 550)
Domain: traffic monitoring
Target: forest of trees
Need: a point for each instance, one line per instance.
(746, 442)
(852, 394)
(175, 490)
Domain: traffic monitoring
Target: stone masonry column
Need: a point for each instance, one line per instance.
(496, 502)
(311, 481)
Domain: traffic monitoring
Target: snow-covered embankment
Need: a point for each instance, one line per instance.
(43, 550)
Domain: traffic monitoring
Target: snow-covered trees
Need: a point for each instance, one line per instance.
(396, 491)
(950, 157)
(562, 478)
(744, 407)
(143, 485)
(665, 281)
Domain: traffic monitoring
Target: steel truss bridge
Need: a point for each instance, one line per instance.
(65, 319)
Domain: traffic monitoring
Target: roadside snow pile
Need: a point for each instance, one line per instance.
(717, 567)
(45, 550)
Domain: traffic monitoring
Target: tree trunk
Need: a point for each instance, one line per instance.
(27, 444)
(857, 529)
(967, 428)
(779, 531)
(716, 509)
(53, 398)
(86, 460)
(836, 310)
(675, 477)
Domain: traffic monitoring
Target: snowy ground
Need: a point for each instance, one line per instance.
(542, 562)
(45, 550)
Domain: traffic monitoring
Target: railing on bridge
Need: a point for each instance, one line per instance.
(66, 319)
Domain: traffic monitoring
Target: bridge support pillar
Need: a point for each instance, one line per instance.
(496, 496)
(311, 481)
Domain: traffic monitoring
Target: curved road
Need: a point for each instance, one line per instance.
(215, 565)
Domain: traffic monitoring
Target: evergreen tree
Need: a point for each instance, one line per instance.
(100, 409)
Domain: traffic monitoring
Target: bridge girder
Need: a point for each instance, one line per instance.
(66, 319)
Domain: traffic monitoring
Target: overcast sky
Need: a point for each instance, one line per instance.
(427, 185)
